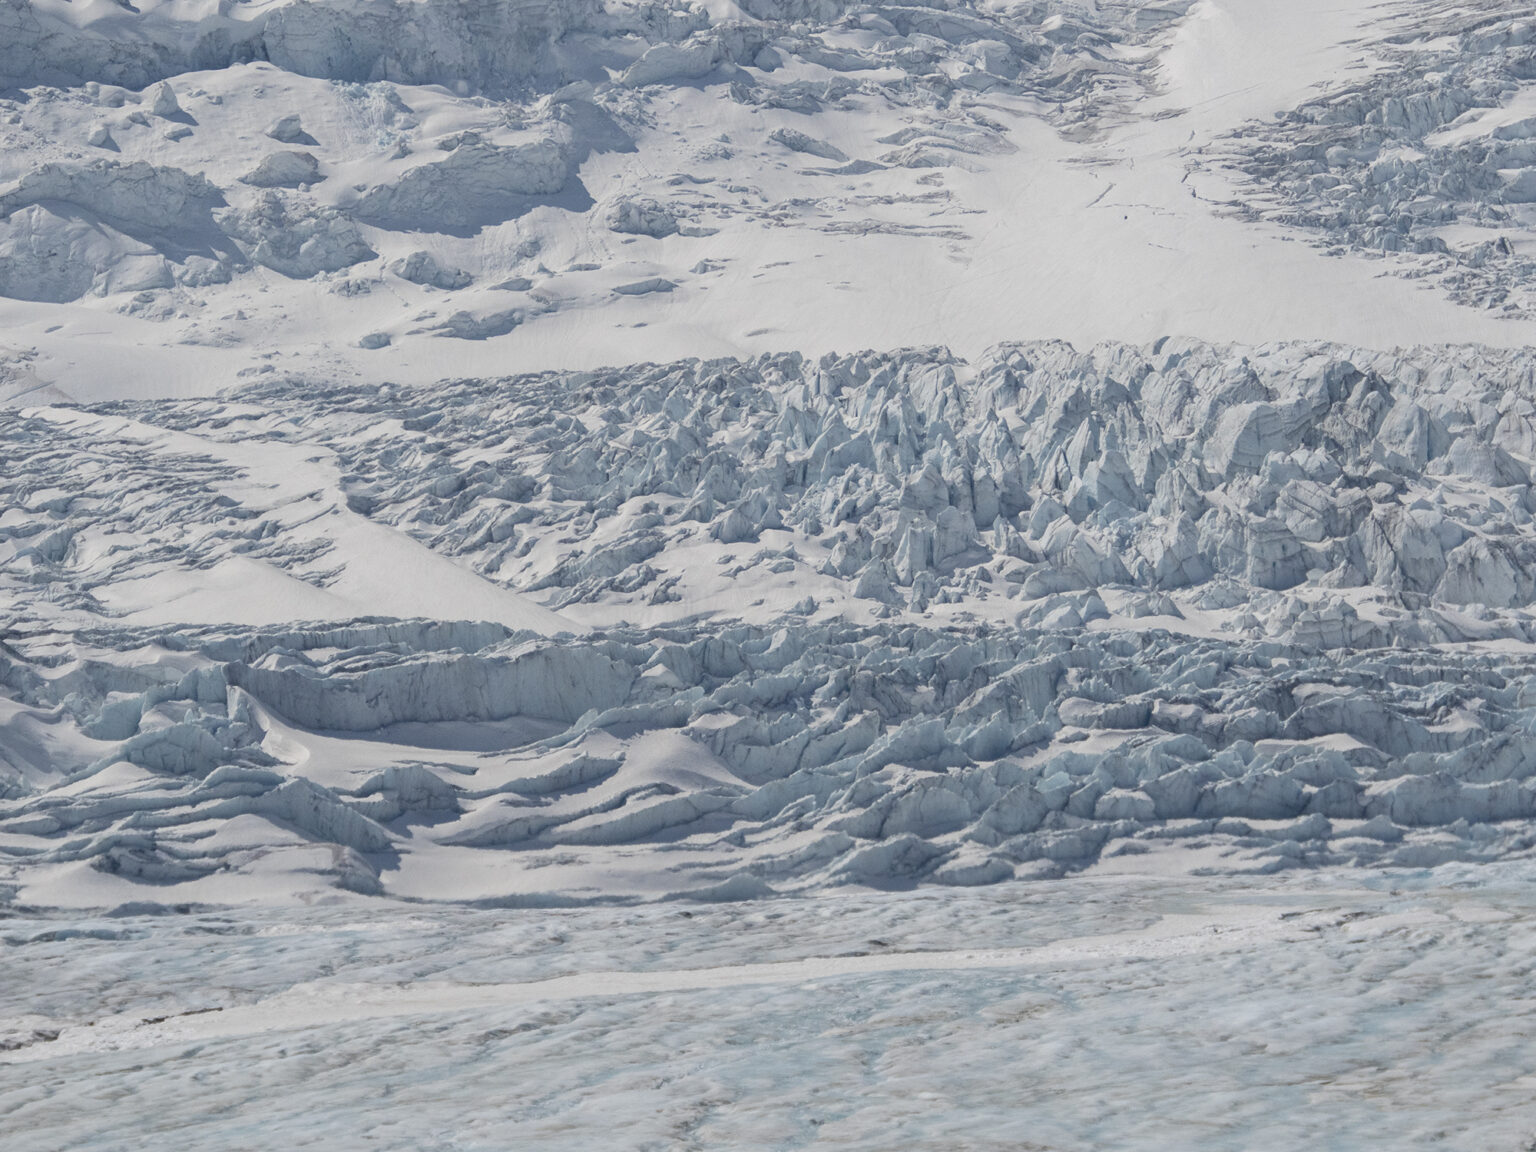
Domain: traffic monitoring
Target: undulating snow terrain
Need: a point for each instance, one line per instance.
(486, 661)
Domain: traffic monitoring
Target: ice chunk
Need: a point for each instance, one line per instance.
(645, 287)
(163, 101)
(289, 129)
(797, 141)
(476, 185)
(422, 268)
(284, 170)
(640, 217)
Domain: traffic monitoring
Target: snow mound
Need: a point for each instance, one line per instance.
(477, 184)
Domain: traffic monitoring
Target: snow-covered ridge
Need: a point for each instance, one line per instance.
(879, 618)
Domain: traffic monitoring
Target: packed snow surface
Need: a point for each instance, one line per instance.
(486, 661)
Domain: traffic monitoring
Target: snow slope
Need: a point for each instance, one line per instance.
(1005, 174)
(296, 493)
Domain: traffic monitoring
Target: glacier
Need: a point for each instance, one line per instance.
(767, 573)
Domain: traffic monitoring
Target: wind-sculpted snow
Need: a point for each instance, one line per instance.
(877, 619)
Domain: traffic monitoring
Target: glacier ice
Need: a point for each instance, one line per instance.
(470, 119)
(1425, 161)
(1012, 614)
(462, 593)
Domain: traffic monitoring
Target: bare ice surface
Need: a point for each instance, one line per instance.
(1132, 1012)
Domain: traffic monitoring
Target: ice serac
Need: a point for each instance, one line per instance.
(489, 43)
(1040, 472)
(134, 196)
(295, 236)
(543, 680)
(1425, 162)
(47, 256)
(890, 618)
(477, 184)
(69, 229)
(422, 268)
